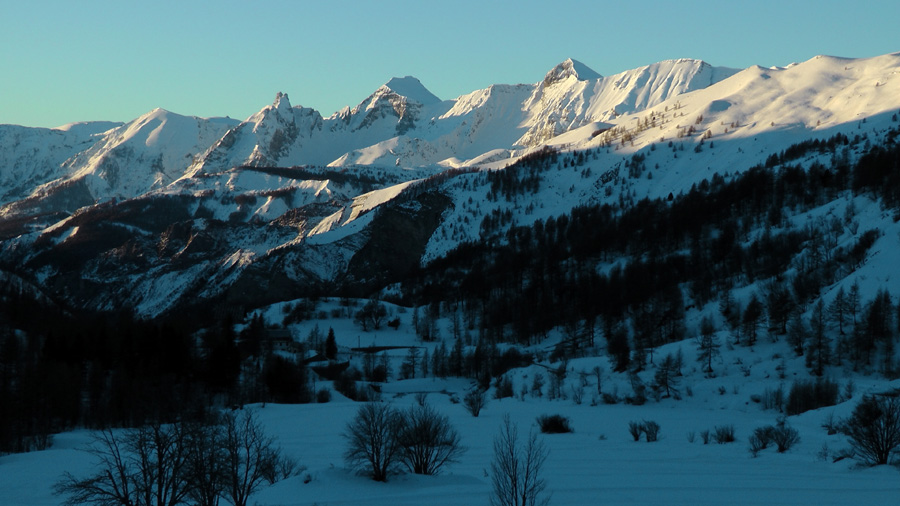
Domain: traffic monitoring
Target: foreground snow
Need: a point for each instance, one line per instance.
(597, 464)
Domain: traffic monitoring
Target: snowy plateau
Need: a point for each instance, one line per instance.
(678, 244)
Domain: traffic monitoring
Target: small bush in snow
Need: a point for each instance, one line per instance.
(784, 437)
(323, 396)
(635, 429)
(651, 431)
(554, 424)
(474, 401)
(760, 439)
(577, 394)
(704, 436)
(724, 434)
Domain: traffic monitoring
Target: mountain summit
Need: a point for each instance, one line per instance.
(569, 68)
(411, 88)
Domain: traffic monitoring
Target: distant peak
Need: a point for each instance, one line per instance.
(411, 88)
(687, 61)
(568, 68)
(281, 101)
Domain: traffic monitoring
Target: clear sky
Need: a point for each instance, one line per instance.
(76, 60)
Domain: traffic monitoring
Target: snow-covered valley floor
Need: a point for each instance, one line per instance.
(597, 464)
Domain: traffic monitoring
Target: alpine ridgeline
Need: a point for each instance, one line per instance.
(168, 212)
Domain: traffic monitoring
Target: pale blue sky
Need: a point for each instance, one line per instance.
(76, 60)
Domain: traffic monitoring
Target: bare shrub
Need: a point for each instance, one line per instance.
(635, 429)
(474, 401)
(784, 437)
(760, 439)
(554, 424)
(874, 429)
(577, 394)
(651, 431)
(724, 434)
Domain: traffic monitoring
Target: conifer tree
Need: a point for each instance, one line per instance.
(837, 310)
(708, 344)
(331, 345)
(819, 348)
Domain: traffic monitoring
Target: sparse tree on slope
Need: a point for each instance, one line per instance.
(665, 380)
(819, 348)
(753, 314)
(838, 310)
(707, 343)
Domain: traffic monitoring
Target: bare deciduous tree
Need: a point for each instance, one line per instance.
(427, 440)
(251, 456)
(207, 470)
(516, 469)
(169, 464)
(371, 440)
(144, 466)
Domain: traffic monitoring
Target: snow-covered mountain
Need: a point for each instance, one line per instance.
(400, 124)
(288, 202)
(98, 162)
(30, 157)
(510, 118)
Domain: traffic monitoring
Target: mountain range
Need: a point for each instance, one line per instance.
(168, 211)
